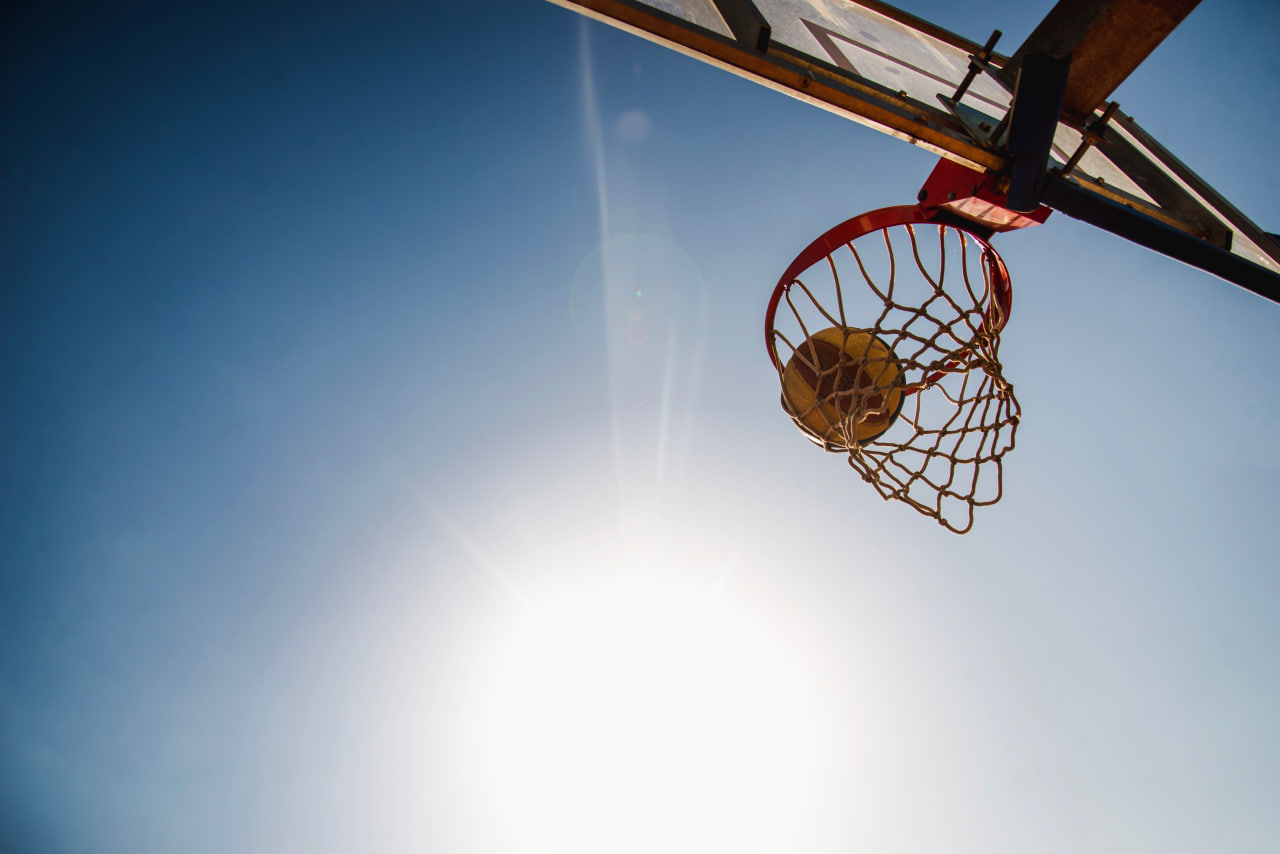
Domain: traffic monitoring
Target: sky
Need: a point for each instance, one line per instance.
(390, 460)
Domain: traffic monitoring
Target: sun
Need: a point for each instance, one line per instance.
(635, 720)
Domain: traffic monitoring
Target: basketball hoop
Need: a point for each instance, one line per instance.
(887, 352)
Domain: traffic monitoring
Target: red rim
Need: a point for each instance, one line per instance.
(878, 220)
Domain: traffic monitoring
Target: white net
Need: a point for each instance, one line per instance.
(928, 422)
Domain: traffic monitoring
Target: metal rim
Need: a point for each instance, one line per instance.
(997, 314)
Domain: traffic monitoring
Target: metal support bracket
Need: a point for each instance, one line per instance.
(1092, 134)
(1033, 119)
(978, 63)
(981, 127)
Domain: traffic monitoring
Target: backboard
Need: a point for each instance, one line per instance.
(884, 331)
(885, 68)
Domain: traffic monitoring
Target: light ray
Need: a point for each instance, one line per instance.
(664, 414)
(595, 147)
(476, 553)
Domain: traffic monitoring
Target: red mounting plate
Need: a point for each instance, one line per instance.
(975, 197)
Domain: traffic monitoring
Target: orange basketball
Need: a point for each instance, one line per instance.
(843, 387)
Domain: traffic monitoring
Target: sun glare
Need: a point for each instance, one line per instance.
(635, 722)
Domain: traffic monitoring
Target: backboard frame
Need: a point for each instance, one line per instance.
(1119, 179)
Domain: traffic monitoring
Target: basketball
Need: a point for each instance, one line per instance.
(843, 387)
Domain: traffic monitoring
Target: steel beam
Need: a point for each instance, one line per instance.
(1077, 202)
(1107, 40)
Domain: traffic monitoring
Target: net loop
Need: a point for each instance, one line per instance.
(894, 362)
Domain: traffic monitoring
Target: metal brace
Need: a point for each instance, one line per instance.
(1092, 133)
(977, 63)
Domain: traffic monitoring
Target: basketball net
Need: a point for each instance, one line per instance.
(885, 334)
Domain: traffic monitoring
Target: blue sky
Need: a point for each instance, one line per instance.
(391, 461)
